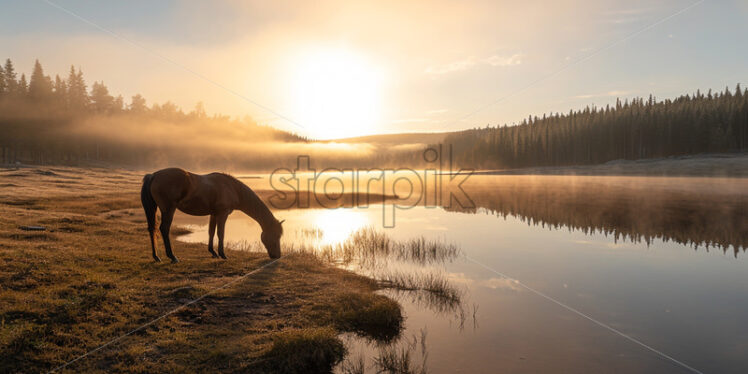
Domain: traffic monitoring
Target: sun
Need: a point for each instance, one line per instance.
(335, 93)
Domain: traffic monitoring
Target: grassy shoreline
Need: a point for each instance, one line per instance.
(89, 278)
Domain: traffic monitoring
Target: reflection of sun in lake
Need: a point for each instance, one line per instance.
(338, 224)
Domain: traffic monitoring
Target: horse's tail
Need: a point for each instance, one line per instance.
(149, 205)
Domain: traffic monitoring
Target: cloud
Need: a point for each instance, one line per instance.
(494, 283)
(622, 20)
(470, 62)
(628, 12)
(410, 120)
(623, 16)
(495, 60)
(451, 67)
(501, 283)
(614, 93)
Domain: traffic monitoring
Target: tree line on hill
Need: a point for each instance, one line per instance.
(636, 129)
(61, 120)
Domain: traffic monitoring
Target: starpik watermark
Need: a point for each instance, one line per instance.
(436, 184)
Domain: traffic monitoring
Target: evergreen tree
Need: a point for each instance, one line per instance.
(60, 92)
(118, 104)
(40, 86)
(22, 89)
(77, 95)
(137, 104)
(199, 111)
(3, 89)
(101, 100)
(168, 110)
(11, 85)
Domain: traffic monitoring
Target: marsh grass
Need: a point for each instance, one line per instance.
(368, 247)
(428, 288)
(355, 365)
(368, 244)
(404, 269)
(245, 246)
(374, 254)
(407, 357)
(427, 251)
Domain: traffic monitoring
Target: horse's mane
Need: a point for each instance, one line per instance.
(260, 204)
(236, 181)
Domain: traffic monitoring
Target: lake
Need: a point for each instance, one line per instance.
(557, 273)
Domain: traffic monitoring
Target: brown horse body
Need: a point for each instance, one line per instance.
(216, 195)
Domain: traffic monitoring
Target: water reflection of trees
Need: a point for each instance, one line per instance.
(712, 212)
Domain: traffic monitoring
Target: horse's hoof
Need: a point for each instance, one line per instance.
(215, 255)
(223, 256)
(174, 260)
(156, 259)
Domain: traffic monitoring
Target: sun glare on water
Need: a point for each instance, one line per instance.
(335, 93)
(337, 225)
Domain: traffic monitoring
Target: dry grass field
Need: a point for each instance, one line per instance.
(89, 278)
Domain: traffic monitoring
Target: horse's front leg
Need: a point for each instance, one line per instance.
(221, 222)
(211, 233)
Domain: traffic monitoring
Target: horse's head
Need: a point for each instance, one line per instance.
(271, 239)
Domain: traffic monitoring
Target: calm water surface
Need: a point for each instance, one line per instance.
(682, 299)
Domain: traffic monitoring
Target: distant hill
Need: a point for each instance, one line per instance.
(394, 139)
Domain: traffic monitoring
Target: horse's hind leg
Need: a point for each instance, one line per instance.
(167, 215)
(221, 221)
(151, 231)
(149, 206)
(211, 233)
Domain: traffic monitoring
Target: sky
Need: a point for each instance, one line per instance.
(330, 69)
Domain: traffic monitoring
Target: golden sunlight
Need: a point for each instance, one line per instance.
(335, 93)
(338, 224)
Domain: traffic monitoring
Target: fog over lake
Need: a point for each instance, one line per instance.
(648, 257)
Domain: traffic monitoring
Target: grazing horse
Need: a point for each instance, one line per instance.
(213, 194)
